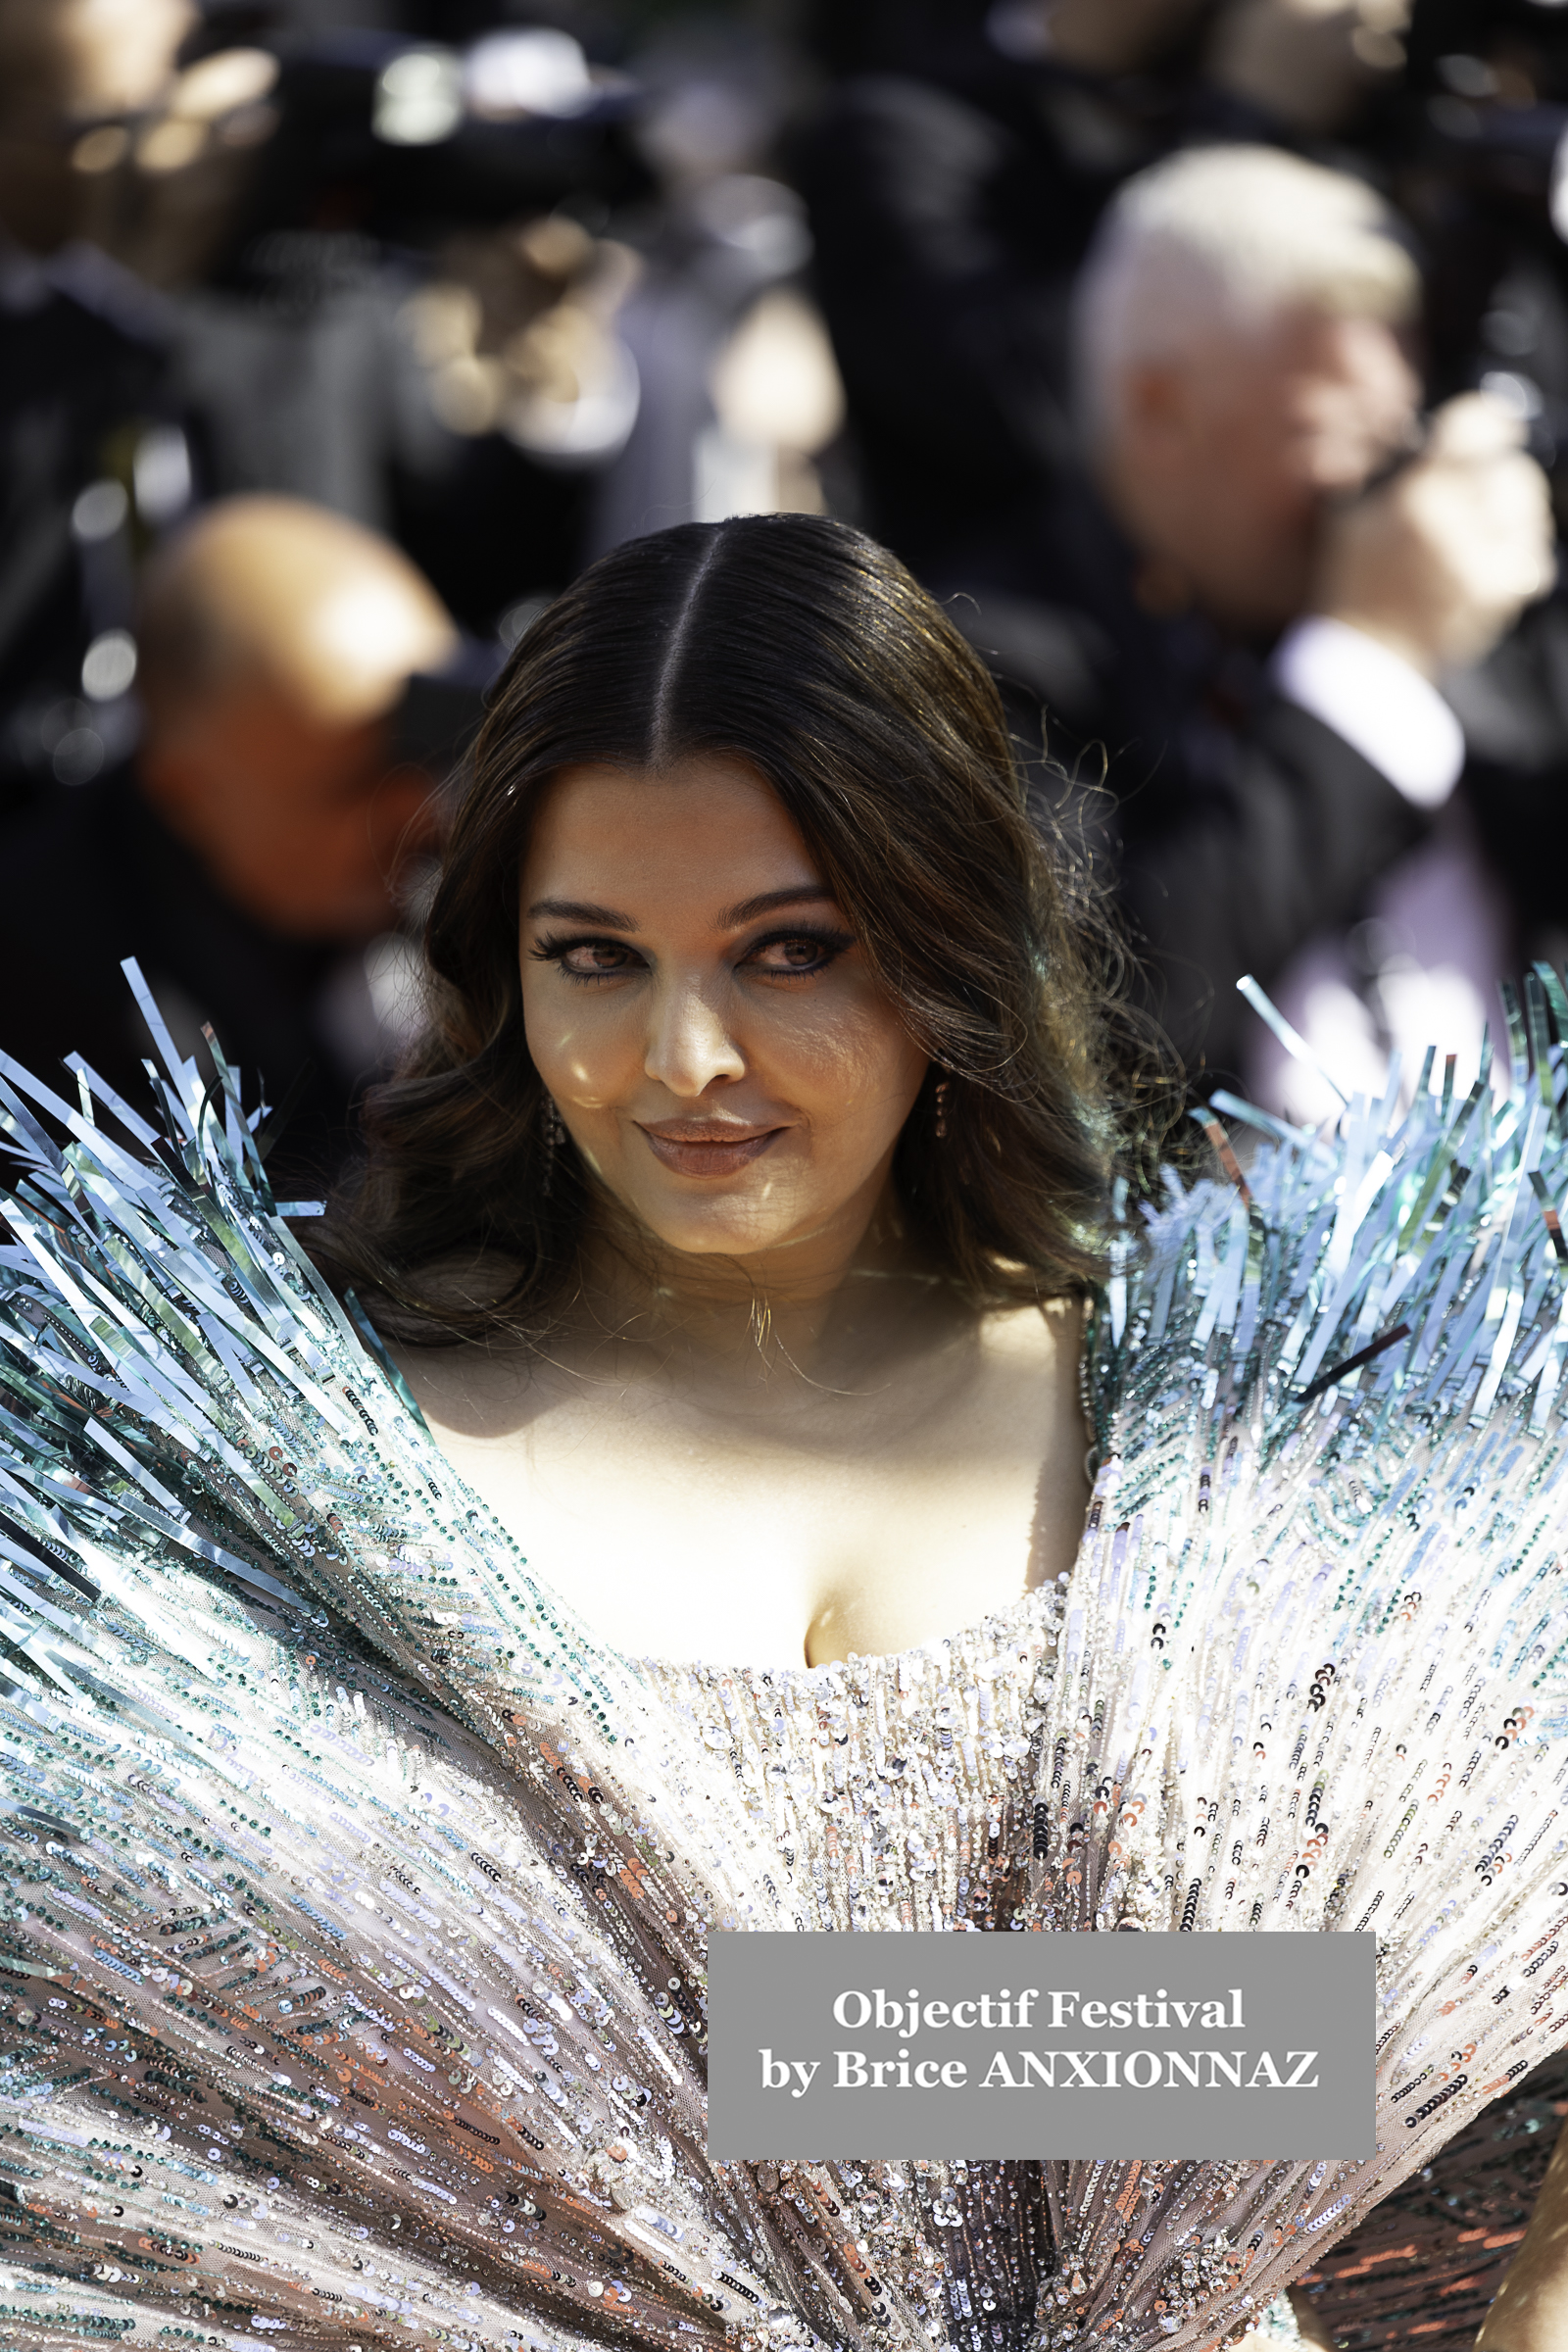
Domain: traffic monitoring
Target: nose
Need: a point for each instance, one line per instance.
(689, 1042)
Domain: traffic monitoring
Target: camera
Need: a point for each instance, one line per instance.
(404, 141)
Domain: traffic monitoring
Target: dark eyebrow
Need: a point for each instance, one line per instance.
(609, 918)
(580, 910)
(807, 893)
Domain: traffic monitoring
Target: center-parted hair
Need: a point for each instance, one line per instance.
(802, 648)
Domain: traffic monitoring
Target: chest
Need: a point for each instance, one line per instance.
(868, 1523)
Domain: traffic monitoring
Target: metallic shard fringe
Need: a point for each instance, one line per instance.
(355, 1900)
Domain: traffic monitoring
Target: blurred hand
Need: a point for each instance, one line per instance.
(1309, 63)
(1439, 562)
(1114, 36)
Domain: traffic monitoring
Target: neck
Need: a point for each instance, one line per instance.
(788, 1307)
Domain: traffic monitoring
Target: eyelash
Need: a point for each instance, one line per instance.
(832, 944)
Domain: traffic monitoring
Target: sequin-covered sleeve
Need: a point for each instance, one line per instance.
(350, 1974)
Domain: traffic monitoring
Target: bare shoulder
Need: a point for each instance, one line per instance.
(470, 1387)
(1049, 1337)
(1036, 1354)
(473, 1387)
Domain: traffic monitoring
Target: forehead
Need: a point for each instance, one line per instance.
(705, 832)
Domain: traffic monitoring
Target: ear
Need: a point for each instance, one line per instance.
(173, 775)
(188, 764)
(1156, 410)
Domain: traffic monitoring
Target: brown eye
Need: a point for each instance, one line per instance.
(798, 951)
(589, 958)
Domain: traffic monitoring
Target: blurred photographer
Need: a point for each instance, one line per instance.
(955, 182)
(1224, 600)
(411, 314)
(84, 395)
(351, 266)
(255, 853)
(953, 185)
(74, 75)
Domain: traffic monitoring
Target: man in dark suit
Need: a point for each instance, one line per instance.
(956, 180)
(251, 854)
(953, 187)
(85, 402)
(1216, 610)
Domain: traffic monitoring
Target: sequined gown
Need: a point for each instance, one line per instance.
(351, 1975)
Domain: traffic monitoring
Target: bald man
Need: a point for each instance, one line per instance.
(251, 854)
(275, 639)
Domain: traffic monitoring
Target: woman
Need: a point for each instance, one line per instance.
(760, 1155)
(788, 1173)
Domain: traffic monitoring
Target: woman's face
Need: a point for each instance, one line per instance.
(701, 1013)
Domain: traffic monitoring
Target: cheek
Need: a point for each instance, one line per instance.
(587, 1048)
(1252, 454)
(1339, 429)
(850, 1064)
(1266, 463)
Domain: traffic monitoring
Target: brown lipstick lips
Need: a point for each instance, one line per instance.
(706, 1146)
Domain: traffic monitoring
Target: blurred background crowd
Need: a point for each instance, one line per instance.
(1207, 357)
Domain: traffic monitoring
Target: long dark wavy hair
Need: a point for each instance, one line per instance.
(802, 648)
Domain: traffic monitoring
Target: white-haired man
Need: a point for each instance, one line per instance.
(1228, 598)
(955, 179)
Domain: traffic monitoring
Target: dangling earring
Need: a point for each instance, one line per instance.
(943, 1095)
(555, 1137)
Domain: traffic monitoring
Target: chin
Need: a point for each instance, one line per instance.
(717, 1236)
(713, 1228)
